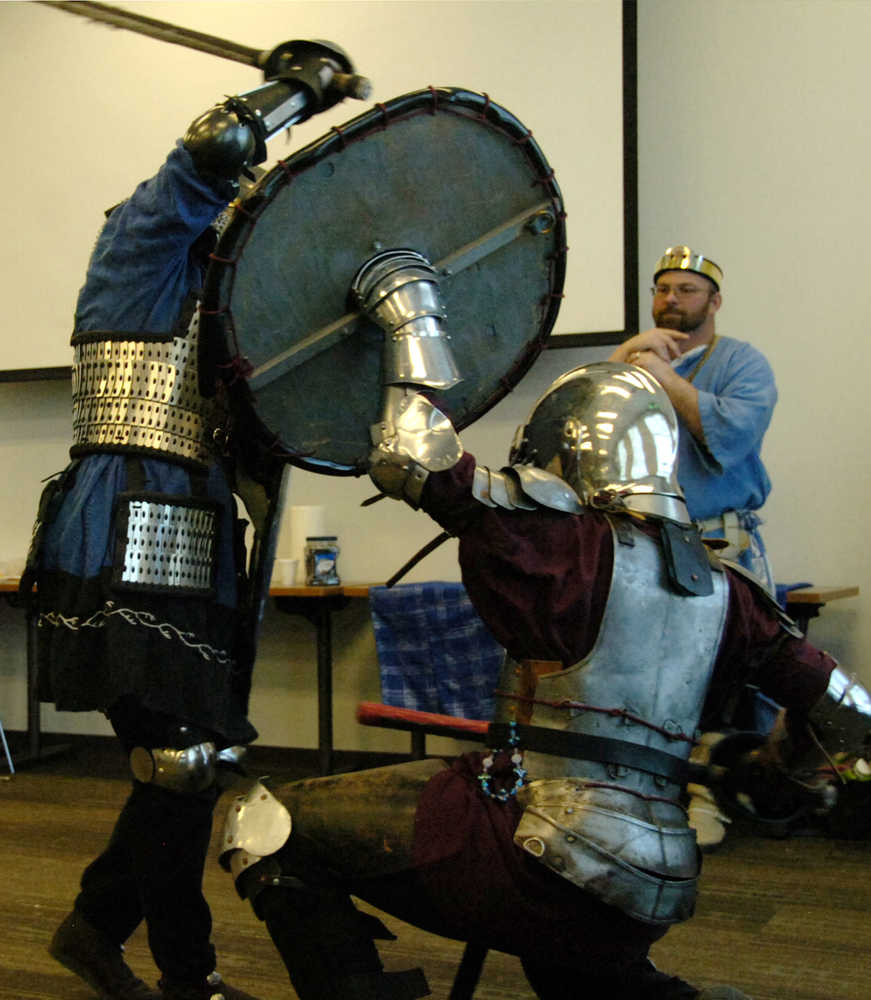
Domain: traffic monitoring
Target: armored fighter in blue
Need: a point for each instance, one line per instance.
(147, 604)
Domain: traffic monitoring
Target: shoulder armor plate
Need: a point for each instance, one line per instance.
(523, 487)
(547, 489)
(499, 489)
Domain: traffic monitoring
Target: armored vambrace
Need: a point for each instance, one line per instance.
(302, 78)
(399, 290)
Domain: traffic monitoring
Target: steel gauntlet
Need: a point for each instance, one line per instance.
(302, 79)
(412, 439)
(399, 291)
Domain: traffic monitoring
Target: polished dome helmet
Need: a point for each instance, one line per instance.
(609, 430)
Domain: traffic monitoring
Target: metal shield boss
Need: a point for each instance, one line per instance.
(444, 173)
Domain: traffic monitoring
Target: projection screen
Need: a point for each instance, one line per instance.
(92, 110)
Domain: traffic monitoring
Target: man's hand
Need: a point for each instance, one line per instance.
(665, 344)
(653, 362)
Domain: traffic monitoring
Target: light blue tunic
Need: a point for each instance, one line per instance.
(736, 399)
(737, 394)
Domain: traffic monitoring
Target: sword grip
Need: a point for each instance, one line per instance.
(352, 85)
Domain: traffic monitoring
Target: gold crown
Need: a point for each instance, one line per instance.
(684, 259)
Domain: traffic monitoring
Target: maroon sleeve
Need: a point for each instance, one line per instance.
(539, 579)
(757, 649)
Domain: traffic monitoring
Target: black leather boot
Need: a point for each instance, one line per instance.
(328, 948)
(97, 960)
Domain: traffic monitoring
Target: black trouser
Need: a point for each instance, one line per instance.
(325, 942)
(152, 868)
(328, 949)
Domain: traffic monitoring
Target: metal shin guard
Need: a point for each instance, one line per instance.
(327, 946)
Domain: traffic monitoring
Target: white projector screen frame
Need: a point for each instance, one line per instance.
(96, 109)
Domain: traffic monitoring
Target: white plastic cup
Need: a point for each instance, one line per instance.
(284, 572)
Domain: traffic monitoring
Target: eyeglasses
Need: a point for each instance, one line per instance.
(679, 291)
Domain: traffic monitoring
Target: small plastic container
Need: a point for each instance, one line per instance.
(321, 559)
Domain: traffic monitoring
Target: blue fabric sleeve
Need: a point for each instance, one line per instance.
(141, 269)
(736, 410)
(737, 394)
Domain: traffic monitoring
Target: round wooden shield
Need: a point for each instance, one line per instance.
(444, 172)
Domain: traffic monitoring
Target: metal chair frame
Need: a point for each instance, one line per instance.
(6, 749)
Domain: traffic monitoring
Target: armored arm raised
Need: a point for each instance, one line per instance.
(399, 290)
(302, 78)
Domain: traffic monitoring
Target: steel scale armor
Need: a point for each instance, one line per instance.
(140, 394)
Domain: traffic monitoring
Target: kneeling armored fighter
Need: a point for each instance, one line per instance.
(568, 845)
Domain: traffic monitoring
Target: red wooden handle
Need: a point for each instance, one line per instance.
(373, 713)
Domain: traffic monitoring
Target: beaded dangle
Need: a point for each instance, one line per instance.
(485, 778)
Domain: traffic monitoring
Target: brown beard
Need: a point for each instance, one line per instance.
(681, 321)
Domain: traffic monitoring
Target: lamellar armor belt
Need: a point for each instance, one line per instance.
(141, 396)
(603, 809)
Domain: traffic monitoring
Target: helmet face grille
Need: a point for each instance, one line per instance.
(605, 428)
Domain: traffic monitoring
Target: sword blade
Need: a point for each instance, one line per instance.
(117, 17)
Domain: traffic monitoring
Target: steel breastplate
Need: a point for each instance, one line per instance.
(140, 396)
(617, 830)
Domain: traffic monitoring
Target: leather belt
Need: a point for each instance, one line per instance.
(601, 749)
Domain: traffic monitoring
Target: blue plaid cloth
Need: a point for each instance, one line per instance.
(435, 653)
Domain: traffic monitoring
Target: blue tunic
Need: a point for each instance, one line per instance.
(139, 277)
(736, 399)
(141, 269)
(737, 394)
(174, 653)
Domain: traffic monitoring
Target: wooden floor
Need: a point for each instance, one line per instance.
(782, 920)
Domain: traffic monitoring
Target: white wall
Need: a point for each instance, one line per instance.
(754, 141)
